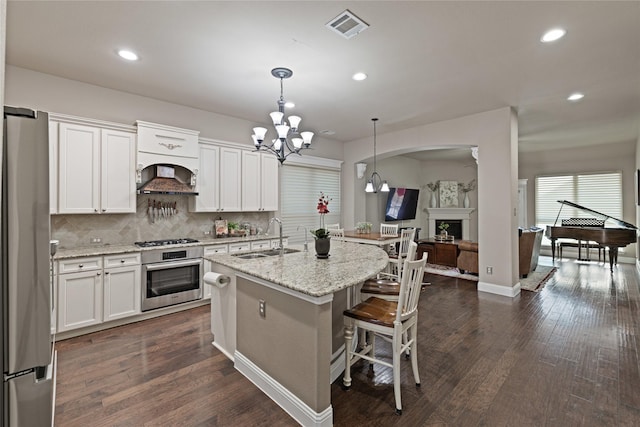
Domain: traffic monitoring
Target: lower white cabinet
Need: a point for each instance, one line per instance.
(211, 250)
(122, 287)
(92, 290)
(79, 293)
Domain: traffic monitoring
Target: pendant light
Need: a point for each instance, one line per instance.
(376, 183)
(290, 140)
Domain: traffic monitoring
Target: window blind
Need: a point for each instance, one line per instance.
(601, 192)
(300, 191)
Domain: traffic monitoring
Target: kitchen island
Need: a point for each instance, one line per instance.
(285, 331)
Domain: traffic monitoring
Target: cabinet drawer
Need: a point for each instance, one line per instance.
(276, 242)
(218, 249)
(262, 244)
(121, 260)
(79, 264)
(159, 139)
(236, 247)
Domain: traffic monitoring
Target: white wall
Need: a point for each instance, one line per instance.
(495, 133)
(26, 88)
(403, 171)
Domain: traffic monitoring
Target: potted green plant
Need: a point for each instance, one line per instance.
(443, 229)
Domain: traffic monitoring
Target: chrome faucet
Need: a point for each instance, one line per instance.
(279, 223)
(306, 231)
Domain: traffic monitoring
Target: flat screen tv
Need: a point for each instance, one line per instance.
(402, 204)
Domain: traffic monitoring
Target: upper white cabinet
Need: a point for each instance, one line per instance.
(218, 180)
(96, 169)
(259, 181)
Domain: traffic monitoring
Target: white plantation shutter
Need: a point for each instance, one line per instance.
(601, 192)
(300, 190)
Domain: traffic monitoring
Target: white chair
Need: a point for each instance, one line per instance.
(387, 286)
(394, 268)
(388, 229)
(336, 233)
(389, 320)
(331, 226)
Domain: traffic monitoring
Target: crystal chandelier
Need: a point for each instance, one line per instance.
(375, 183)
(289, 139)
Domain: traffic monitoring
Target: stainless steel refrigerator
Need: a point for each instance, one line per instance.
(27, 345)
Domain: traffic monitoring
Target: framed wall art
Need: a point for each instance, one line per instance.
(448, 194)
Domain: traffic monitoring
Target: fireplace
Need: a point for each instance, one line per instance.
(455, 227)
(451, 216)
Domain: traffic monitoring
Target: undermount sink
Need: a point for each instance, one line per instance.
(265, 254)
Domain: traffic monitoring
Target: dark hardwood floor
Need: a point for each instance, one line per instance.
(565, 356)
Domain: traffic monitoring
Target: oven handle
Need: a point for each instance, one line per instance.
(173, 264)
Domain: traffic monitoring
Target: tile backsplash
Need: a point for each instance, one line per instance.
(75, 231)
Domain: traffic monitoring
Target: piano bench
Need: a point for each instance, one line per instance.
(587, 246)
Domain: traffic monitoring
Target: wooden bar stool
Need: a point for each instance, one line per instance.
(391, 321)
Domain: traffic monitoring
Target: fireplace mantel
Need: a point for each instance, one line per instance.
(463, 214)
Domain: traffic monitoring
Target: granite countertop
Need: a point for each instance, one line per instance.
(107, 249)
(348, 265)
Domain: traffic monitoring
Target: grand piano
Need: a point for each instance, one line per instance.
(592, 230)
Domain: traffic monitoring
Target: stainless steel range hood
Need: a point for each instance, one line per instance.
(167, 179)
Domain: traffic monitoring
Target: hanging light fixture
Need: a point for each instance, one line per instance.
(375, 183)
(289, 139)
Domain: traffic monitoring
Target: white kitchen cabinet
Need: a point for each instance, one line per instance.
(237, 247)
(92, 290)
(260, 244)
(230, 179)
(259, 181)
(96, 170)
(79, 293)
(219, 180)
(122, 286)
(211, 250)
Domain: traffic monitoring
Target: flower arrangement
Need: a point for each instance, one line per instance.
(443, 226)
(433, 186)
(323, 209)
(471, 185)
(364, 227)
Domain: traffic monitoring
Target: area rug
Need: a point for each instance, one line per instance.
(535, 281)
(448, 271)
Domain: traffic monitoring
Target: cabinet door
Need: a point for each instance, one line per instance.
(251, 187)
(208, 198)
(79, 300)
(269, 182)
(122, 292)
(79, 169)
(118, 185)
(230, 179)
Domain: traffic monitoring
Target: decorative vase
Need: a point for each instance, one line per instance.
(466, 202)
(322, 248)
(434, 202)
(443, 233)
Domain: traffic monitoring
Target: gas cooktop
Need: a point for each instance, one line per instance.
(153, 243)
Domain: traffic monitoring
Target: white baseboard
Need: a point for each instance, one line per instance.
(223, 351)
(295, 407)
(505, 291)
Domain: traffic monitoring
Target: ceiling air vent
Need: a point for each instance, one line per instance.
(347, 24)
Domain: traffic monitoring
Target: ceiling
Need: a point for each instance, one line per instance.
(426, 61)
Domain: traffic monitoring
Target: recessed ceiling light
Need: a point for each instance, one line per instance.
(575, 96)
(553, 35)
(359, 76)
(128, 55)
(289, 104)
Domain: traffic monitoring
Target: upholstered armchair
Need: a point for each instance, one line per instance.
(529, 245)
(468, 256)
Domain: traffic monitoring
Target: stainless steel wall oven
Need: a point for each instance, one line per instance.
(170, 275)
